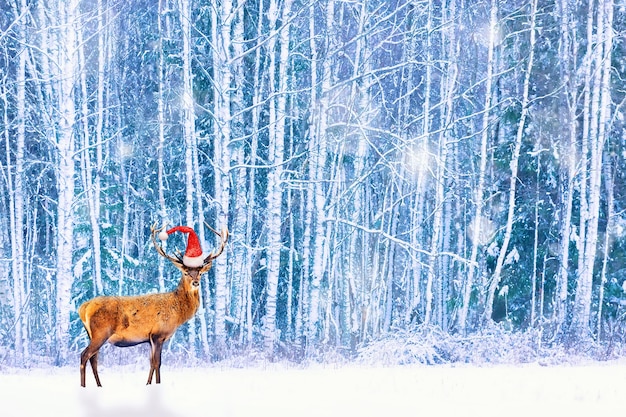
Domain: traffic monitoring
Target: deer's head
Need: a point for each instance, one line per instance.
(193, 263)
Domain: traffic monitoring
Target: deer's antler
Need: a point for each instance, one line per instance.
(217, 252)
(177, 261)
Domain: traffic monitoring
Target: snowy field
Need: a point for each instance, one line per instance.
(279, 390)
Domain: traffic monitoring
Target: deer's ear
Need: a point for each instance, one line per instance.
(206, 267)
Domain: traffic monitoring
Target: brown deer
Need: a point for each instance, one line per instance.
(153, 318)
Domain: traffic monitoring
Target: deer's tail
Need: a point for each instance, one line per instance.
(84, 317)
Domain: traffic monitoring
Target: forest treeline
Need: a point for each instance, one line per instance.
(379, 165)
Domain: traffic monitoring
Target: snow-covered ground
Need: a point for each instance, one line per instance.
(279, 390)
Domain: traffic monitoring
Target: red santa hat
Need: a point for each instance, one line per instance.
(193, 257)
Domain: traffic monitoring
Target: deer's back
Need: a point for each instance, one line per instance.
(127, 321)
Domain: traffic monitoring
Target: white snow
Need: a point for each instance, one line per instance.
(279, 390)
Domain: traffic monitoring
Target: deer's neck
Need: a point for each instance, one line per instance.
(189, 300)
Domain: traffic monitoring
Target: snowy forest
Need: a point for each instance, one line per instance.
(386, 169)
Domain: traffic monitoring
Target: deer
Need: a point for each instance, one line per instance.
(150, 318)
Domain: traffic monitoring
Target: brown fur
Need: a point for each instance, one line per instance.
(151, 318)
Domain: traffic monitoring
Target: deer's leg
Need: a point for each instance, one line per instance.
(156, 345)
(83, 361)
(157, 360)
(94, 367)
(90, 354)
(152, 348)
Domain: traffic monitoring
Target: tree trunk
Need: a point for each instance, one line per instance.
(240, 271)
(317, 152)
(193, 192)
(477, 231)
(222, 79)
(584, 166)
(161, 141)
(66, 60)
(609, 185)
(432, 258)
(600, 118)
(497, 274)
(448, 90)
(16, 195)
(567, 50)
(277, 119)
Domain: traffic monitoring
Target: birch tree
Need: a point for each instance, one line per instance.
(163, 30)
(600, 119)
(417, 167)
(66, 61)
(608, 235)
(248, 273)
(426, 125)
(477, 232)
(243, 187)
(354, 302)
(16, 189)
(192, 187)
(277, 117)
(94, 180)
(449, 88)
(317, 155)
(567, 52)
(514, 164)
(222, 78)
